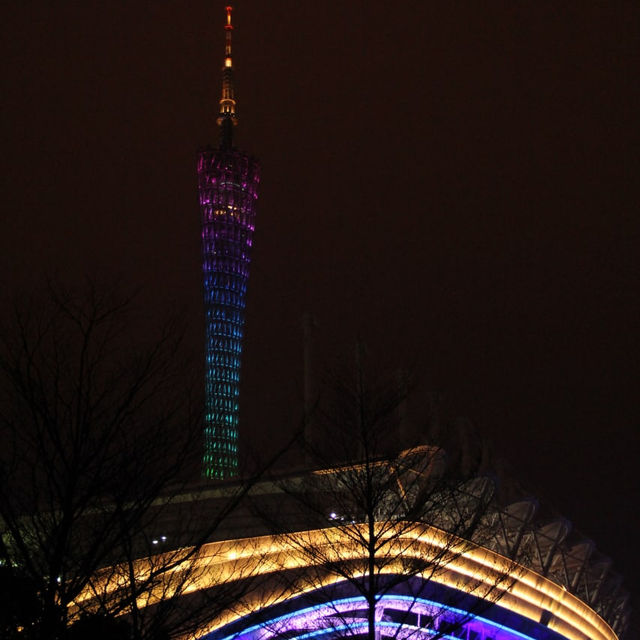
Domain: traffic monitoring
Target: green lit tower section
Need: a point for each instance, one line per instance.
(228, 189)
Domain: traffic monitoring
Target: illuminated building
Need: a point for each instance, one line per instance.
(526, 577)
(227, 184)
(520, 576)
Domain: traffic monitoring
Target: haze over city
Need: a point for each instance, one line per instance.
(454, 183)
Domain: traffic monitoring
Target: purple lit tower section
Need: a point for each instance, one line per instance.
(228, 188)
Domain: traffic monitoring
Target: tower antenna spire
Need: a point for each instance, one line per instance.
(227, 117)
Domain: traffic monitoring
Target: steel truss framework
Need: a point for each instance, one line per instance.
(554, 550)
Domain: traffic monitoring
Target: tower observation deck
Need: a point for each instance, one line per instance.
(228, 190)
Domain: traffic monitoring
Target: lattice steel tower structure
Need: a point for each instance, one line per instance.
(228, 188)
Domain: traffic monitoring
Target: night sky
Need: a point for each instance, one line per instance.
(455, 182)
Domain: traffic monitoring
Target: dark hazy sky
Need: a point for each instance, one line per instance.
(458, 182)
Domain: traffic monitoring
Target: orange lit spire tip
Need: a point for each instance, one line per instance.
(227, 115)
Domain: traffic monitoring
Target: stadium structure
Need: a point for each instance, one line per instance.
(517, 573)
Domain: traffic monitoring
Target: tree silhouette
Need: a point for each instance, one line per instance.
(361, 514)
(100, 436)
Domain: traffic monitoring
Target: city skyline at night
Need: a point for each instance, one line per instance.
(455, 183)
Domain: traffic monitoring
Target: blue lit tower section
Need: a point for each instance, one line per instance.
(228, 188)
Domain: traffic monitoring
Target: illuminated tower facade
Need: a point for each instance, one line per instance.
(228, 189)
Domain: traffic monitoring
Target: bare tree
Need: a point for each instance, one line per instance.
(163, 584)
(361, 514)
(100, 435)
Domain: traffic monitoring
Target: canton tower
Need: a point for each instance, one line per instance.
(228, 189)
